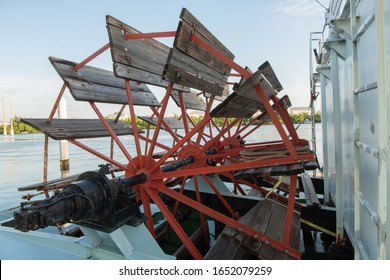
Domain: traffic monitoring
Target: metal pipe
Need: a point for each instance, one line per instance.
(91, 57)
(56, 104)
(177, 164)
(136, 179)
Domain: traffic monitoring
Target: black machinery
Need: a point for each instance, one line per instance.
(93, 201)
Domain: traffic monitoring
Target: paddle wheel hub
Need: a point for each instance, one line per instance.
(196, 152)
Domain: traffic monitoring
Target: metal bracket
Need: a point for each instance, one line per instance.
(339, 46)
(342, 26)
(324, 69)
(373, 214)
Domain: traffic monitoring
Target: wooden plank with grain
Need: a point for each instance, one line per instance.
(181, 77)
(247, 87)
(191, 100)
(266, 70)
(310, 193)
(236, 106)
(85, 91)
(173, 123)
(99, 85)
(218, 249)
(184, 43)
(225, 94)
(67, 129)
(193, 21)
(140, 60)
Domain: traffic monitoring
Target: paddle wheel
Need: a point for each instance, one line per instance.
(209, 169)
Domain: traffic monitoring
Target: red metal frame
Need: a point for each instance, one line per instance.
(232, 223)
(153, 193)
(159, 121)
(221, 198)
(201, 215)
(112, 133)
(155, 182)
(91, 57)
(57, 103)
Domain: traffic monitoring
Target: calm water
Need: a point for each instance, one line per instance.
(21, 158)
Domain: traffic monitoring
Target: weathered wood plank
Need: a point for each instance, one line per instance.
(223, 112)
(184, 43)
(310, 193)
(141, 60)
(247, 87)
(191, 20)
(266, 217)
(85, 91)
(225, 94)
(66, 129)
(191, 100)
(242, 79)
(147, 54)
(173, 123)
(127, 72)
(198, 69)
(266, 70)
(181, 77)
(88, 73)
(218, 249)
(230, 252)
(100, 85)
(259, 223)
(274, 229)
(236, 106)
(191, 65)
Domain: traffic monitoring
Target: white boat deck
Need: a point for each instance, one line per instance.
(15, 247)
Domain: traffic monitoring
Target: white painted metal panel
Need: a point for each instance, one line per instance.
(365, 196)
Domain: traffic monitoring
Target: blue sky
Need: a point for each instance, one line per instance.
(254, 30)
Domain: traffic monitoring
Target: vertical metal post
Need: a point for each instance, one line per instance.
(382, 131)
(11, 130)
(312, 94)
(64, 150)
(4, 117)
(45, 161)
(324, 122)
(338, 145)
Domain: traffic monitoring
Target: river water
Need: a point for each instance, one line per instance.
(21, 157)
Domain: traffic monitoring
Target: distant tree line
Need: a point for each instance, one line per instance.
(299, 118)
(18, 126)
